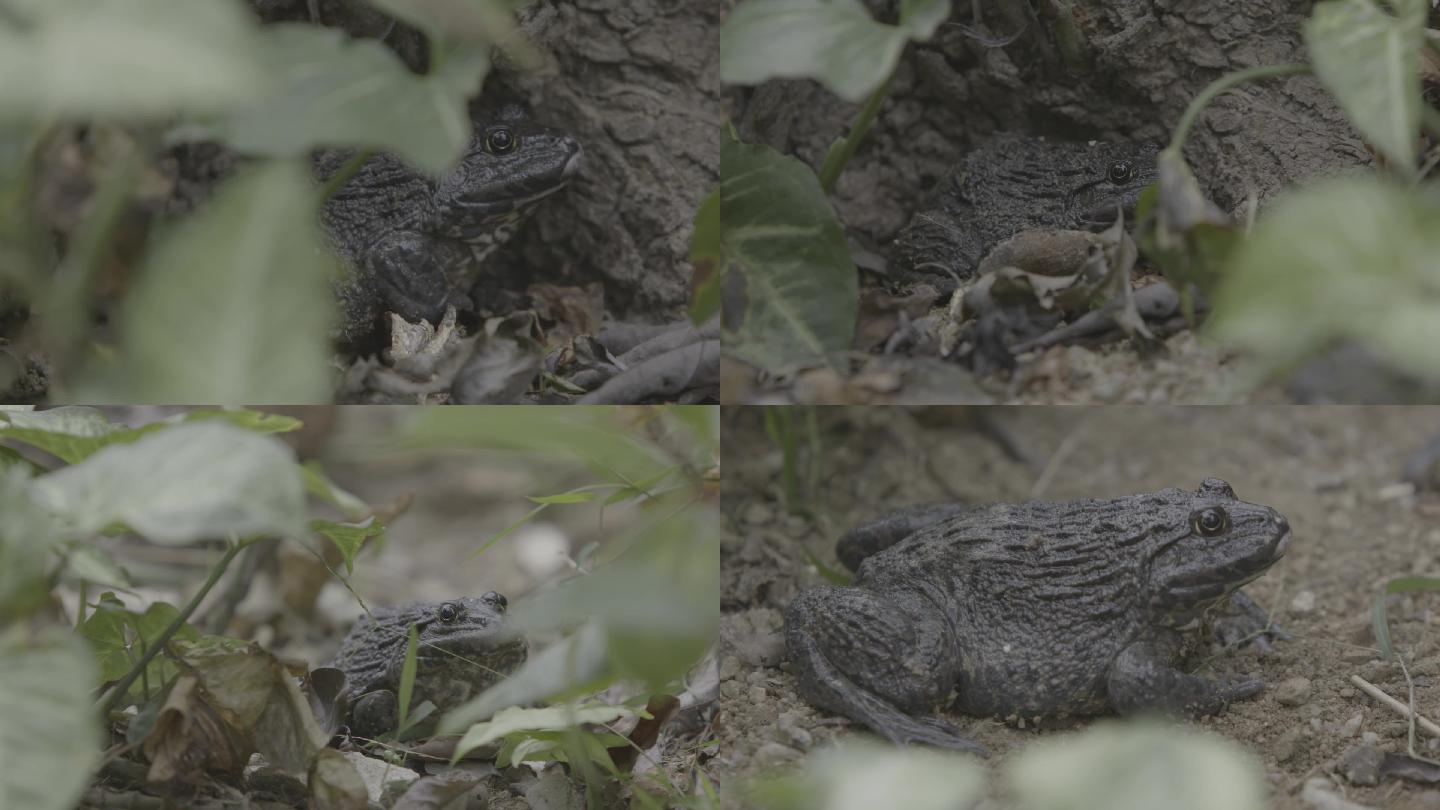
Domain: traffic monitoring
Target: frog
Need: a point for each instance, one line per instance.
(1013, 182)
(414, 244)
(1035, 609)
(463, 648)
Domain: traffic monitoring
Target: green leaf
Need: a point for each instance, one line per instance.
(1137, 766)
(576, 663)
(28, 534)
(407, 676)
(1369, 60)
(318, 485)
(518, 719)
(332, 90)
(201, 480)
(69, 433)
(1346, 259)
(258, 421)
(127, 59)
(705, 260)
(790, 287)
(232, 305)
(564, 497)
(348, 537)
(834, 42)
(1379, 618)
(119, 637)
(50, 741)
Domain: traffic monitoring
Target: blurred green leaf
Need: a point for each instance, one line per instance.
(407, 675)
(861, 775)
(595, 435)
(478, 22)
(319, 485)
(94, 565)
(1379, 620)
(234, 304)
(1370, 60)
(834, 42)
(576, 663)
(564, 497)
(705, 260)
(790, 287)
(332, 90)
(73, 433)
(348, 537)
(1137, 766)
(129, 59)
(518, 719)
(203, 480)
(50, 741)
(1349, 258)
(27, 536)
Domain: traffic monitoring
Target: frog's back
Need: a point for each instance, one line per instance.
(1040, 596)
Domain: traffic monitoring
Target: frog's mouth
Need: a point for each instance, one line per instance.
(1242, 572)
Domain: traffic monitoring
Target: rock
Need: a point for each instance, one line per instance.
(1304, 602)
(1319, 794)
(771, 754)
(1361, 765)
(1293, 691)
(729, 668)
(554, 791)
(758, 694)
(790, 728)
(381, 777)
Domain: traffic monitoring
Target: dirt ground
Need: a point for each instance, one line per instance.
(1335, 472)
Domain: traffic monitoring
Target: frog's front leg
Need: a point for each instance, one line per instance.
(1239, 620)
(883, 532)
(374, 713)
(409, 275)
(1144, 678)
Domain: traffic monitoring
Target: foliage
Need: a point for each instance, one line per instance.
(1129, 765)
(234, 298)
(788, 284)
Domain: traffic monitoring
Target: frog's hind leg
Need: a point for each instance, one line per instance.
(859, 656)
(883, 532)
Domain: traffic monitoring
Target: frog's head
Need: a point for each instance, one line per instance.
(1114, 174)
(464, 639)
(510, 165)
(1212, 544)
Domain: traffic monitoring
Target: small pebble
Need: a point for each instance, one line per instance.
(758, 513)
(1319, 794)
(758, 694)
(1352, 725)
(773, 753)
(1361, 765)
(1304, 602)
(1287, 744)
(1293, 691)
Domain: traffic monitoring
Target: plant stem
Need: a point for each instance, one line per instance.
(340, 178)
(117, 692)
(840, 153)
(1225, 83)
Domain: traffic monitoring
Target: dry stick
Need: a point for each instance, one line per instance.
(1374, 691)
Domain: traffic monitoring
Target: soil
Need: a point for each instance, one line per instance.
(1335, 472)
(1133, 67)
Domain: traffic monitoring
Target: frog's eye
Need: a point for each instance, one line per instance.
(501, 141)
(1120, 172)
(498, 601)
(1210, 522)
(449, 613)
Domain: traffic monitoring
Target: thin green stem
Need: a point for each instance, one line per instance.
(841, 153)
(117, 692)
(340, 178)
(1224, 84)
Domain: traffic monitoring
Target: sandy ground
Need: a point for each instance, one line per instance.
(1332, 471)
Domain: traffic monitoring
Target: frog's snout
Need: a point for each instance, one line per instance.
(1282, 528)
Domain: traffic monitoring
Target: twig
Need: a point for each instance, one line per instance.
(1374, 691)
(1067, 446)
